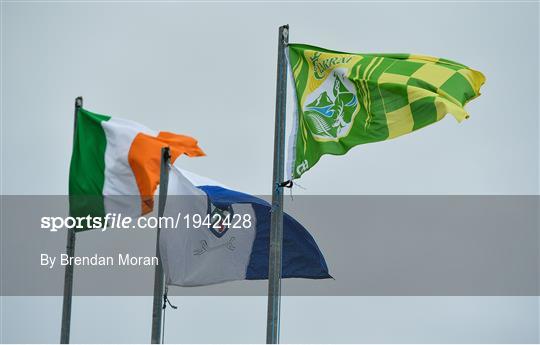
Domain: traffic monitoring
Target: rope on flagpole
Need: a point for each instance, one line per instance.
(164, 316)
(166, 301)
(285, 184)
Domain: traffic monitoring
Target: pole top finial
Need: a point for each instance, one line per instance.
(166, 152)
(285, 33)
(79, 102)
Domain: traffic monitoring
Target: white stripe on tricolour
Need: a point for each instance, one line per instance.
(119, 178)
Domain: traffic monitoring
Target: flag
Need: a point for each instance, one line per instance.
(115, 165)
(220, 252)
(344, 100)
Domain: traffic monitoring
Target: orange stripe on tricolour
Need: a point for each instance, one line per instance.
(145, 156)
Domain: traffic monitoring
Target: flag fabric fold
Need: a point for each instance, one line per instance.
(115, 164)
(209, 254)
(344, 100)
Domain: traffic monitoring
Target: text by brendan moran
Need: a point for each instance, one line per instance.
(97, 260)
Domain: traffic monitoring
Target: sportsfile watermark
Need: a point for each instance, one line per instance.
(217, 220)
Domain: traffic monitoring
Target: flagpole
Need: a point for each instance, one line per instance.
(70, 251)
(157, 309)
(276, 222)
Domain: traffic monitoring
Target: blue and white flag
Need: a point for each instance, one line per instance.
(223, 235)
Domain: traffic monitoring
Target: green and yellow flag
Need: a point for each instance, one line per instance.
(344, 99)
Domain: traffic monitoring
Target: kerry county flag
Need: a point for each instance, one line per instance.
(344, 99)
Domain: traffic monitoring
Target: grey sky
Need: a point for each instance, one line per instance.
(208, 70)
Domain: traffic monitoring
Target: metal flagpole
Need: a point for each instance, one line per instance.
(276, 225)
(70, 251)
(157, 309)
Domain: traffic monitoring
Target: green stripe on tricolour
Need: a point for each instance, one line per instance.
(87, 168)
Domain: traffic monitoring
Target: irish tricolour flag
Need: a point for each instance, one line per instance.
(115, 164)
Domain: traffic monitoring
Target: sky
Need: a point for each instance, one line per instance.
(208, 70)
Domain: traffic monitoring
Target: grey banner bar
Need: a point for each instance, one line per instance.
(373, 245)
